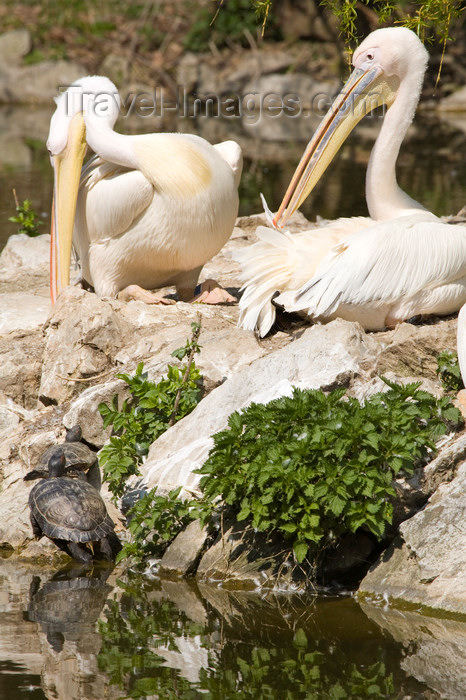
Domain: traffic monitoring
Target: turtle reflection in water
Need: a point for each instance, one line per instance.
(67, 606)
(71, 513)
(79, 458)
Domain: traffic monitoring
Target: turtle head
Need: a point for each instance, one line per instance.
(57, 463)
(74, 434)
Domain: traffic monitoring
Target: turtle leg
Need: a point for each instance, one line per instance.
(106, 549)
(79, 553)
(61, 544)
(36, 529)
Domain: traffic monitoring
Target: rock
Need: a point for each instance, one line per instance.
(296, 91)
(14, 45)
(196, 72)
(412, 350)
(115, 67)
(456, 102)
(38, 82)
(253, 64)
(298, 20)
(323, 357)
(71, 363)
(242, 559)
(444, 467)
(181, 556)
(275, 131)
(8, 421)
(22, 251)
(24, 282)
(83, 334)
(20, 365)
(24, 268)
(187, 71)
(425, 565)
(21, 311)
(84, 411)
(15, 524)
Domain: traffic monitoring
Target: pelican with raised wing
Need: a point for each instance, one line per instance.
(401, 262)
(146, 211)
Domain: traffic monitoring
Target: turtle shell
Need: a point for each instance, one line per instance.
(69, 509)
(77, 455)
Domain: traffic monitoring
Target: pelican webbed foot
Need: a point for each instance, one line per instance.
(210, 292)
(136, 293)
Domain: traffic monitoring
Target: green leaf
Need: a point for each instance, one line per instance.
(300, 550)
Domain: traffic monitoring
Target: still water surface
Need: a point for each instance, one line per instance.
(74, 635)
(77, 635)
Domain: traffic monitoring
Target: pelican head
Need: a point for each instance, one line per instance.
(66, 143)
(388, 60)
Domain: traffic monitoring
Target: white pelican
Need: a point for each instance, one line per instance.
(400, 263)
(148, 210)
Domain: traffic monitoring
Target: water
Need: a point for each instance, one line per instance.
(78, 635)
(431, 166)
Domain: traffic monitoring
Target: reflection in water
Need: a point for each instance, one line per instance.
(245, 645)
(431, 167)
(68, 603)
(107, 633)
(65, 609)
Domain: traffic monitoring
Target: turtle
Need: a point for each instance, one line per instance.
(71, 513)
(79, 457)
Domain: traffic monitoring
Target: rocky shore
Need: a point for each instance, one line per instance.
(59, 364)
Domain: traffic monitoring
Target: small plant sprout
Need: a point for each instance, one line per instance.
(26, 217)
(448, 371)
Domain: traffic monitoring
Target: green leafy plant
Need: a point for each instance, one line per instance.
(26, 217)
(154, 521)
(150, 410)
(448, 371)
(314, 466)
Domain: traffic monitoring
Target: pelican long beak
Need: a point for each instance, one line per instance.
(67, 170)
(364, 90)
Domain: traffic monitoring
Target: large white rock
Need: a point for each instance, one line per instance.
(23, 251)
(427, 564)
(25, 303)
(21, 311)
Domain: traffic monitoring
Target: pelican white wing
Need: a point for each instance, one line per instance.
(283, 261)
(386, 273)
